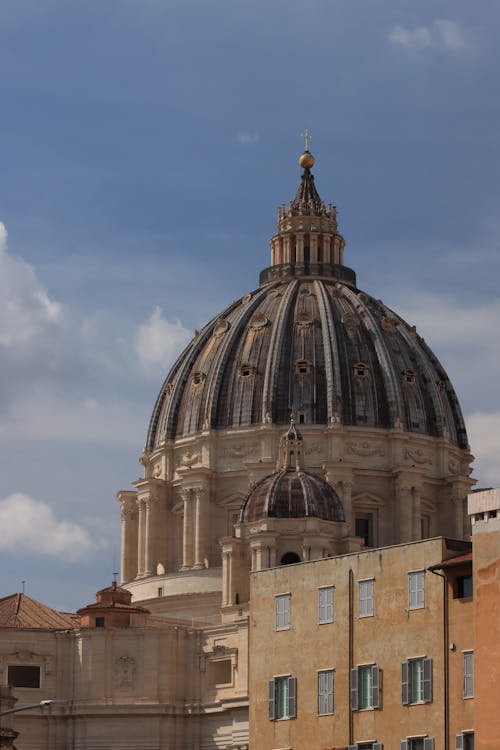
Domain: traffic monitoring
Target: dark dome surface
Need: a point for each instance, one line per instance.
(314, 345)
(292, 494)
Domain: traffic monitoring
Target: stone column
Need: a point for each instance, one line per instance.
(202, 520)
(417, 514)
(141, 536)
(327, 252)
(150, 534)
(187, 531)
(299, 248)
(287, 249)
(313, 246)
(405, 506)
(129, 535)
(347, 505)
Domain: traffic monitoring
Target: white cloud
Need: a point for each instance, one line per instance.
(27, 314)
(484, 436)
(246, 138)
(158, 341)
(29, 525)
(442, 33)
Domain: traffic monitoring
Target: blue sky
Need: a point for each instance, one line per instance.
(144, 148)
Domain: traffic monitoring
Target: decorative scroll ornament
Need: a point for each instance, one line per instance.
(240, 451)
(418, 456)
(221, 326)
(258, 322)
(365, 449)
(189, 458)
(124, 671)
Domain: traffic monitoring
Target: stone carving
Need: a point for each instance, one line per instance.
(124, 671)
(157, 470)
(418, 456)
(314, 448)
(240, 451)
(246, 299)
(365, 449)
(303, 320)
(453, 466)
(221, 326)
(258, 322)
(189, 458)
(389, 323)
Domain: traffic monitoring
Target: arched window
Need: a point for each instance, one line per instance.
(289, 558)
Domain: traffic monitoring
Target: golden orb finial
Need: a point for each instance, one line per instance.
(306, 159)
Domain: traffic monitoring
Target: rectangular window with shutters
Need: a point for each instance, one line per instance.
(282, 611)
(464, 741)
(416, 589)
(366, 746)
(325, 691)
(282, 698)
(416, 681)
(366, 595)
(468, 674)
(365, 687)
(325, 604)
(417, 743)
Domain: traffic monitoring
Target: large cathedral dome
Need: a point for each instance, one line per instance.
(385, 458)
(310, 341)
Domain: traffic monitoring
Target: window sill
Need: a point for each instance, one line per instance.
(325, 622)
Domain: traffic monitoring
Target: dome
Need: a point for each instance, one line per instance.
(292, 494)
(308, 340)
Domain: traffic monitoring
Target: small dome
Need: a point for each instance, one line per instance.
(292, 494)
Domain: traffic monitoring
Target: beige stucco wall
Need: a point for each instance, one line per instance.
(391, 636)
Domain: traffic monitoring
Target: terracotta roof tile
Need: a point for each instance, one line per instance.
(21, 611)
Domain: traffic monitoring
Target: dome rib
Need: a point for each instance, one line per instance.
(274, 353)
(252, 373)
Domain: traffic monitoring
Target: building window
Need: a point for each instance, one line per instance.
(325, 691)
(282, 612)
(220, 672)
(416, 681)
(160, 590)
(464, 741)
(99, 622)
(416, 589)
(366, 746)
(463, 587)
(363, 527)
(282, 698)
(468, 674)
(366, 591)
(417, 743)
(325, 604)
(23, 676)
(365, 687)
(361, 370)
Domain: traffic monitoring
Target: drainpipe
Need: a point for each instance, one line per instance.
(446, 659)
(351, 653)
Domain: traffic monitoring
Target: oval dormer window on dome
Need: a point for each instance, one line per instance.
(302, 367)
(409, 377)
(361, 370)
(198, 377)
(247, 371)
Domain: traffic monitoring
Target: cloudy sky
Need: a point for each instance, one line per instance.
(144, 148)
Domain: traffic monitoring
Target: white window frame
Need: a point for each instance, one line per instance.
(326, 691)
(409, 697)
(355, 687)
(461, 738)
(360, 745)
(416, 595)
(282, 610)
(407, 744)
(468, 661)
(366, 597)
(325, 604)
(290, 698)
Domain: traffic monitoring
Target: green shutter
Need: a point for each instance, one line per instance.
(459, 742)
(403, 745)
(377, 746)
(375, 687)
(292, 697)
(272, 699)
(405, 697)
(354, 690)
(427, 682)
(429, 743)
